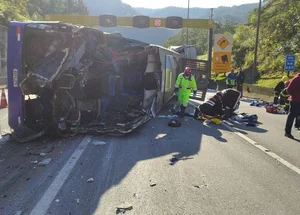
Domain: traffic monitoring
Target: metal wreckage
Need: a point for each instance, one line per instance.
(79, 79)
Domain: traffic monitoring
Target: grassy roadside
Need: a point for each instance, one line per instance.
(202, 57)
(258, 96)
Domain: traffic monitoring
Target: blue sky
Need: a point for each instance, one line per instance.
(183, 3)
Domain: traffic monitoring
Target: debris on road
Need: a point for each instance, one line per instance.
(45, 162)
(174, 123)
(175, 160)
(152, 184)
(90, 180)
(43, 149)
(123, 208)
(99, 143)
(167, 116)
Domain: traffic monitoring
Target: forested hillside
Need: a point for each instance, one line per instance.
(35, 9)
(237, 14)
(279, 35)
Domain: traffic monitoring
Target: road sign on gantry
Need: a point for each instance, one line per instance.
(222, 53)
(290, 61)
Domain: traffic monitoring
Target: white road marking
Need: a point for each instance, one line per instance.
(43, 205)
(262, 148)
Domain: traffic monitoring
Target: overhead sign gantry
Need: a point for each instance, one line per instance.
(172, 22)
(140, 21)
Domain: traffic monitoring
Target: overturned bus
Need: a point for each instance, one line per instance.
(65, 79)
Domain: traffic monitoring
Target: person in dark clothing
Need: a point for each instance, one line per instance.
(294, 91)
(212, 108)
(230, 101)
(279, 87)
(284, 97)
(240, 78)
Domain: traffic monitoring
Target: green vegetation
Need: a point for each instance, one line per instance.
(199, 37)
(35, 9)
(279, 36)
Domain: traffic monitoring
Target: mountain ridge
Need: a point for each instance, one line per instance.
(238, 14)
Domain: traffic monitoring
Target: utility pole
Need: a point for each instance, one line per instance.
(188, 17)
(210, 44)
(256, 42)
(69, 6)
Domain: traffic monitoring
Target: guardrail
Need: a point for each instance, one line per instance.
(247, 88)
(258, 90)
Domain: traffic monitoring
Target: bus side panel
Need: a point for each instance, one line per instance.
(14, 73)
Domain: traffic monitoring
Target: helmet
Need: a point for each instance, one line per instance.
(286, 83)
(284, 78)
(220, 94)
(187, 71)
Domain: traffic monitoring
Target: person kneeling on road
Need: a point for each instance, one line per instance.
(284, 97)
(279, 87)
(212, 108)
(230, 101)
(185, 84)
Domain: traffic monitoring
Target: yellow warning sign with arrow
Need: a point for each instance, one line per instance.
(223, 43)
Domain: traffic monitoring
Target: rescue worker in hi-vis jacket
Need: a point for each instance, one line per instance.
(184, 85)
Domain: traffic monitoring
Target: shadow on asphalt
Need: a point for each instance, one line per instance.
(243, 128)
(155, 139)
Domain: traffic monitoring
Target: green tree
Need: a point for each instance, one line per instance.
(13, 10)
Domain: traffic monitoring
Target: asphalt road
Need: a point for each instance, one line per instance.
(195, 169)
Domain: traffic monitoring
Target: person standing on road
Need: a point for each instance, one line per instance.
(293, 90)
(184, 85)
(240, 78)
(231, 79)
(221, 80)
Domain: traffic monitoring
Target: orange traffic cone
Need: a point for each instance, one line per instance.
(3, 100)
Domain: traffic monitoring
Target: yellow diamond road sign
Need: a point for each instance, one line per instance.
(223, 43)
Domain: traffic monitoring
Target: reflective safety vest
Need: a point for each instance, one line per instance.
(231, 79)
(221, 76)
(184, 83)
(231, 82)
